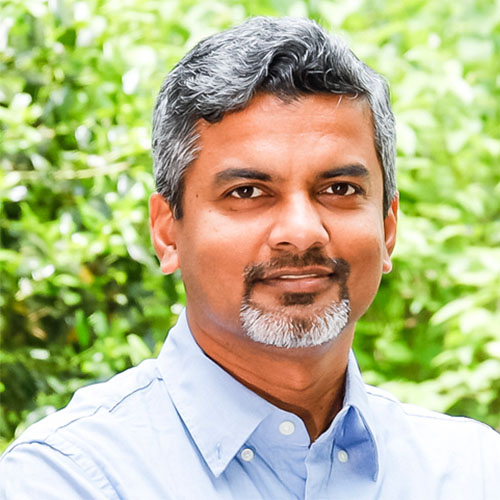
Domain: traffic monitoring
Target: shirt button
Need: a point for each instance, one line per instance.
(286, 428)
(247, 455)
(343, 456)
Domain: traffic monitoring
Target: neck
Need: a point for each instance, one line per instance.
(309, 382)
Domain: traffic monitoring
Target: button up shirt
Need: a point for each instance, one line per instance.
(180, 427)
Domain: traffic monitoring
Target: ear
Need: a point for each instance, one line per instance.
(390, 225)
(162, 228)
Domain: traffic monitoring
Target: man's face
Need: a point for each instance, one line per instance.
(282, 216)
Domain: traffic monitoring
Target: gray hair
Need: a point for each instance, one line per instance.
(285, 57)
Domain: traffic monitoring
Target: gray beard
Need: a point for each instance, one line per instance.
(280, 329)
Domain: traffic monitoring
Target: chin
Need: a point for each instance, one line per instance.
(288, 328)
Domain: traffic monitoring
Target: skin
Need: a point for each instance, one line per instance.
(271, 179)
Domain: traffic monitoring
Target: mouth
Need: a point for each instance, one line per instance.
(310, 274)
(299, 280)
(298, 274)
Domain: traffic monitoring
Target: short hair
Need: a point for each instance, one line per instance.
(285, 57)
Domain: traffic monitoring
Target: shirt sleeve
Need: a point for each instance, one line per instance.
(37, 470)
(489, 442)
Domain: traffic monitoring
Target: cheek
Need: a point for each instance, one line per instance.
(213, 254)
(364, 254)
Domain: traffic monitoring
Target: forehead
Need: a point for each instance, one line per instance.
(319, 108)
(301, 135)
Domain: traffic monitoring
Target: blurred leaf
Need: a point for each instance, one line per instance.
(82, 329)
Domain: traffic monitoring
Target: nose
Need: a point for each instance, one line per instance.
(298, 226)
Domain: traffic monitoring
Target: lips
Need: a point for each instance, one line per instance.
(299, 280)
(297, 274)
(311, 273)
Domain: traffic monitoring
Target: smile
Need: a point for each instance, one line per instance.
(311, 273)
(299, 276)
(306, 273)
(299, 281)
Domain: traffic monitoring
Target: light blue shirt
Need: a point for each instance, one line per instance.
(179, 427)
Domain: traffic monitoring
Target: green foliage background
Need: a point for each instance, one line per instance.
(81, 293)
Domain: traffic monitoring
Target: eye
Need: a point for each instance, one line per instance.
(246, 192)
(342, 189)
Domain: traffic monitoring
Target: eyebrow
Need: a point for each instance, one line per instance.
(347, 170)
(230, 174)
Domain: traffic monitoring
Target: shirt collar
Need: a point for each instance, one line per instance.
(221, 414)
(357, 398)
(218, 411)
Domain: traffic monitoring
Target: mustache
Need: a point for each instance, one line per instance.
(257, 272)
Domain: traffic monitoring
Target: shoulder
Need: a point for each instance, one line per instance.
(92, 402)
(79, 443)
(384, 400)
(436, 435)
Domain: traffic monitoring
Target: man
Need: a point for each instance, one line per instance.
(274, 160)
